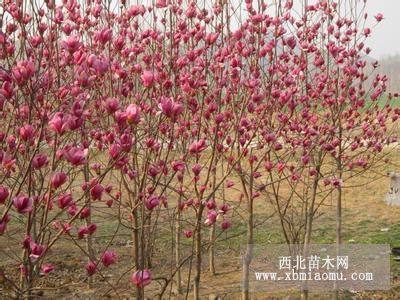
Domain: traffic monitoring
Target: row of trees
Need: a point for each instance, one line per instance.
(159, 113)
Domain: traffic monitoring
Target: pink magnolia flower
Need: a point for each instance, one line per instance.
(141, 278)
(224, 208)
(2, 38)
(39, 161)
(6, 91)
(132, 174)
(108, 189)
(197, 146)
(305, 159)
(211, 38)
(47, 268)
(96, 167)
(71, 44)
(211, 204)
(189, 202)
(66, 227)
(295, 177)
(225, 224)
(154, 170)
(8, 163)
(27, 132)
(326, 181)
(104, 35)
(219, 118)
(36, 250)
(188, 233)
(75, 156)
(100, 65)
(114, 151)
(91, 268)
(270, 137)
(379, 17)
(133, 114)
(3, 227)
(170, 108)
(148, 78)
(312, 172)
(72, 209)
(278, 146)
(291, 42)
(3, 223)
(12, 143)
(336, 182)
(64, 201)
(152, 202)
(58, 179)
(196, 169)
(23, 204)
(229, 183)
(96, 191)
(59, 123)
(211, 218)
(178, 166)
(86, 230)
(280, 166)
(161, 3)
(23, 71)
(26, 242)
(108, 258)
(85, 213)
(136, 10)
(112, 105)
(269, 165)
(4, 193)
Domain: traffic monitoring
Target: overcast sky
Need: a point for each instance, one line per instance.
(385, 38)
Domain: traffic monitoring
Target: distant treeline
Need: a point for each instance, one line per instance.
(390, 65)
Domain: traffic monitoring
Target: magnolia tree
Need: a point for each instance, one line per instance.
(157, 116)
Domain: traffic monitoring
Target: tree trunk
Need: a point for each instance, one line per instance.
(88, 221)
(196, 290)
(338, 232)
(339, 206)
(249, 251)
(136, 251)
(310, 211)
(178, 249)
(211, 260)
(339, 217)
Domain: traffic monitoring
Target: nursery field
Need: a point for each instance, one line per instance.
(366, 219)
